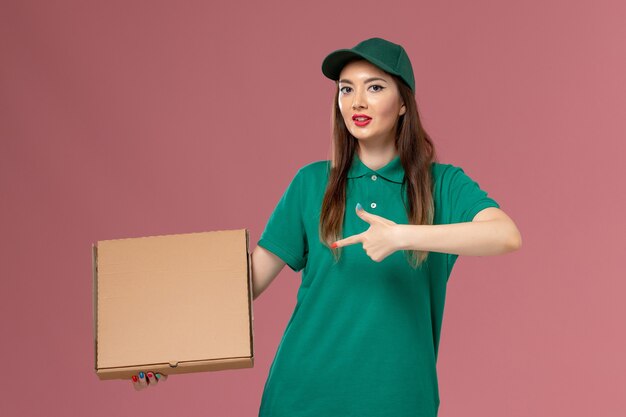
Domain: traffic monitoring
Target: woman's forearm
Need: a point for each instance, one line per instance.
(478, 238)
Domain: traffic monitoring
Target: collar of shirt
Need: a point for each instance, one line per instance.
(393, 171)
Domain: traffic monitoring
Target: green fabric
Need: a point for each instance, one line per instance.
(364, 335)
(386, 55)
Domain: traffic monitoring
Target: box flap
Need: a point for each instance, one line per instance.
(94, 266)
(250, 293)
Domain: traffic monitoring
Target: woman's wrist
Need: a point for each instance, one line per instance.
(402, 238)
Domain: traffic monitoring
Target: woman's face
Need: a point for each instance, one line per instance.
(370, 102)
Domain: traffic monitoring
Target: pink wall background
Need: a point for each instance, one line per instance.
(134, 118)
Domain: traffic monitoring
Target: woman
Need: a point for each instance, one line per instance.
(364, 334)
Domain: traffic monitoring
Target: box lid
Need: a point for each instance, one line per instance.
(172, 299)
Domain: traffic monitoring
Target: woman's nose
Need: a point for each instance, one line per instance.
(358, 100)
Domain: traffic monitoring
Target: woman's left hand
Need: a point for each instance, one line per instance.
(379, 241)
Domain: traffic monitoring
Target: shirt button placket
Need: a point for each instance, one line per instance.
(374, 177)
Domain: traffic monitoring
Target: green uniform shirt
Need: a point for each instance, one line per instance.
(362, 340)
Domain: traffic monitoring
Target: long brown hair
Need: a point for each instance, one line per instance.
(417, 153)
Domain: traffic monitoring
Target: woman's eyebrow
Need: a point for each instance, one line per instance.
(366, 81)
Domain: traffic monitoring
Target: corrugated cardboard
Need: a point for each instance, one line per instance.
(173, 304)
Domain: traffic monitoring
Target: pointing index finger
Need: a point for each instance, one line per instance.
(351, 240)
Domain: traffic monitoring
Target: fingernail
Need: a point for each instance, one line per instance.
(150, 375)
(334, 245)
(358, 206)
(158, 376)
(135, 378)
(141, 375)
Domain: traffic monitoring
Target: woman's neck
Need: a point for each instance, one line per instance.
(375, 157)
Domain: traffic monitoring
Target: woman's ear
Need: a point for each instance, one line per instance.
(402, 110)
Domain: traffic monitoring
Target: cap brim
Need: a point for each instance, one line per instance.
(335, 61)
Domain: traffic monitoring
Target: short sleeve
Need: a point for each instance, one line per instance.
(284, 234)
(465, 199)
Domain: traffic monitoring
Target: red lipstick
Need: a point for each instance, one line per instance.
(361, 119)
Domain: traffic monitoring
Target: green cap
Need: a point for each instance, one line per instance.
(388, 56)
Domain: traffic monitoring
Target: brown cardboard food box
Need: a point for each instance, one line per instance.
(173, 304)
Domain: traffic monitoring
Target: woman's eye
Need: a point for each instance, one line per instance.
(343, 90)
(377, 87)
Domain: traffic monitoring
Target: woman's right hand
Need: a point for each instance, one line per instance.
(144, 380)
